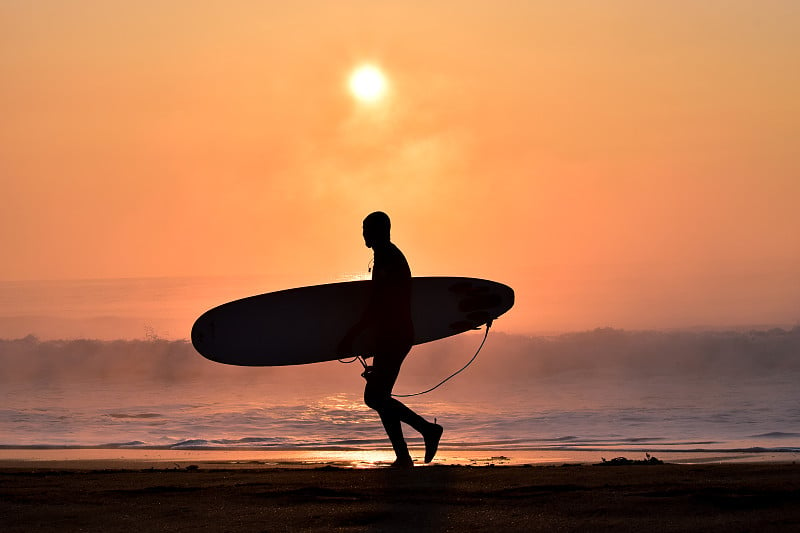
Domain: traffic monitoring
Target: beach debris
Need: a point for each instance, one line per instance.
(620, 461)
(490, 461)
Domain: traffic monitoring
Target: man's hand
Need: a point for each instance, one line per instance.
(368, 372)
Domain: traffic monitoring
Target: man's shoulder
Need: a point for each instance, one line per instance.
(391, 259)
(395, 255)
(394, 250)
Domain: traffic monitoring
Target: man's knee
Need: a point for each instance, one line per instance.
(375, 399)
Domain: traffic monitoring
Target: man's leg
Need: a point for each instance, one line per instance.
(377, 395)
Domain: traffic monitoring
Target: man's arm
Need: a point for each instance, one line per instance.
(367, 320)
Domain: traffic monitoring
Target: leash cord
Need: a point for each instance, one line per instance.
(445, 380)
(454, 374)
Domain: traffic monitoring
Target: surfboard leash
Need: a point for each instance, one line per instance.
(457, 372)
(445, 380)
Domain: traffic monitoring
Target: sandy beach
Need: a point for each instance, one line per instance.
(668, 497)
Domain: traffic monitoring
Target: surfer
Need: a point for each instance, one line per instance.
(388, 314)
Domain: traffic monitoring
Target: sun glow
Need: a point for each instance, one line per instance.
(368, 84)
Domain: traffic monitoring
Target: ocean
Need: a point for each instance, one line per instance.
(608, 392)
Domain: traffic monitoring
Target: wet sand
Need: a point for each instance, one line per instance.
(669, 497)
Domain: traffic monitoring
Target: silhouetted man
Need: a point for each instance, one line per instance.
(388, 315)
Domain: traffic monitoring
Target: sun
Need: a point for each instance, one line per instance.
(368, 83)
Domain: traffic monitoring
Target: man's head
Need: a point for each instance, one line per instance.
(376, 229)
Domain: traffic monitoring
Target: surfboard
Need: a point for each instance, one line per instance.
(306, 324)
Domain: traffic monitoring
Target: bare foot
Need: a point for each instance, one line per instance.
(432, 437)
(404, 463)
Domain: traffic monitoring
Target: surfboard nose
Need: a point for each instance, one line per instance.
(203, 336)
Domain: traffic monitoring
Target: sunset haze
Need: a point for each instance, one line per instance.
(627, 164)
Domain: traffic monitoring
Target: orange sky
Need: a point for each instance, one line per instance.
(628, 164)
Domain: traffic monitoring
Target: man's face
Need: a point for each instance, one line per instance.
(368, 237)
(373, 235)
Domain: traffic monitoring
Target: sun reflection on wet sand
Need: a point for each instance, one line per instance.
(98, 458)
